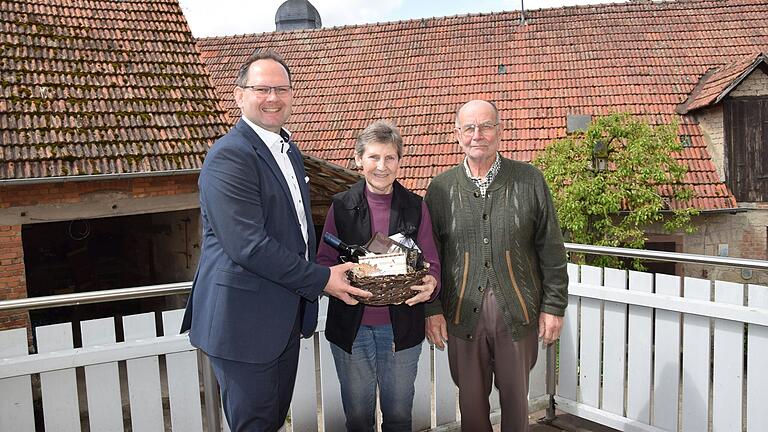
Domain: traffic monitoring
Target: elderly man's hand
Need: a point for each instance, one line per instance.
(549, 327)
(437, 330)
(425, 290)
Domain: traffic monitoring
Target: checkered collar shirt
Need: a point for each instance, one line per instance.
(484, 182)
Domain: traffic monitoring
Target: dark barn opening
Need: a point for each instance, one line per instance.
(108, 253)
(662, 267)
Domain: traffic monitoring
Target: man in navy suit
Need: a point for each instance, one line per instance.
(256, 289)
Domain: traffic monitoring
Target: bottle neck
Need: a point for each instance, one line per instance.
(346, 252)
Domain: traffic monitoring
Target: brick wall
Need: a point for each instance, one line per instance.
(711, 122)
(12, 279)
(12, 271)
(756, 84)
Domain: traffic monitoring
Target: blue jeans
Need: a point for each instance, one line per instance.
(373, 361)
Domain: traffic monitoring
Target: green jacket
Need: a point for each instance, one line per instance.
(509, 241)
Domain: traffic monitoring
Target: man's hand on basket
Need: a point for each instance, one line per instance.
(339, 287)
(425, 290)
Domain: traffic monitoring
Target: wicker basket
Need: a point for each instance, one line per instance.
(388, 290)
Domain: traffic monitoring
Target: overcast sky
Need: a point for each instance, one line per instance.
(230, 17)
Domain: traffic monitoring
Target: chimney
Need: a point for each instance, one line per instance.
(297, 15)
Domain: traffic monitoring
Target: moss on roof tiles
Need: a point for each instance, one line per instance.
(82, 77)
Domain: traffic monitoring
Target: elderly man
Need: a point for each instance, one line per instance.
(504, 271)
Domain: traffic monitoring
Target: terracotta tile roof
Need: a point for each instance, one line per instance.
(719, 81)
(642, 57)
(101, 87)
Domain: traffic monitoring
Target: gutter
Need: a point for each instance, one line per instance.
(97, 177)
(732, 210)
(122, 176)
(725, 210)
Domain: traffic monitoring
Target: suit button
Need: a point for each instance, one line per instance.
(486, 241)
(477, 194)
(475, 310)
(487, 264)
(485, 217)
(481, 289)
(469, 336)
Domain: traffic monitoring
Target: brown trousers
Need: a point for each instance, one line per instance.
(492, 352)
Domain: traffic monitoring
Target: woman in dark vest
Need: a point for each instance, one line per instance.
(379, 345)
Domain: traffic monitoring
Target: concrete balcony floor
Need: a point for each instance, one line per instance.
(563, 422)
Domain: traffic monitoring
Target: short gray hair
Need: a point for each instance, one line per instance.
(495, 111)
(380, 131)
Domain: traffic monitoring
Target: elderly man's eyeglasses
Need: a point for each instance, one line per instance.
(264, 91)
(484, 128)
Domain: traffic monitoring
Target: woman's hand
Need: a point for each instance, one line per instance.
(425, 290)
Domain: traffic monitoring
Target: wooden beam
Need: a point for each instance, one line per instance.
(106, 205)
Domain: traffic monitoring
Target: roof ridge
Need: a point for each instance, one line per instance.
(514, 14)
(354, 26)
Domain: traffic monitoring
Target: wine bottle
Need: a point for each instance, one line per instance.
(347, 253)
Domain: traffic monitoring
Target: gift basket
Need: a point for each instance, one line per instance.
(386, 289)
(385, 267)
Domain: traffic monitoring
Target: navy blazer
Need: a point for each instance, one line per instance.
(253, 278)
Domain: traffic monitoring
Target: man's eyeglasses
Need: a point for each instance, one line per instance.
(264, 91)
(484, 128)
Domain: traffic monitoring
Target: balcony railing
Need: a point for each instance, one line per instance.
(638, 352)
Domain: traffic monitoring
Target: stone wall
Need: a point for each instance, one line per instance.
(739, 235)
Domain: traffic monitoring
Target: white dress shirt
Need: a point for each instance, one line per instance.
(278, 147)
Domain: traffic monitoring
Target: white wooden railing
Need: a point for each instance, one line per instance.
(639, 352)
(56, 363)
(645, 352)
(144, 353)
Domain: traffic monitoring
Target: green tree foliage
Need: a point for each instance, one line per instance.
(614, 206)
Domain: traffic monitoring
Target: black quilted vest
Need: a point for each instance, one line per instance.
(353, 223)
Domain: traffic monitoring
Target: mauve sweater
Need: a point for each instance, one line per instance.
(379, 205)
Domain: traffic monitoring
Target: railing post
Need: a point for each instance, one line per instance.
(550, 377)
(211, 394)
